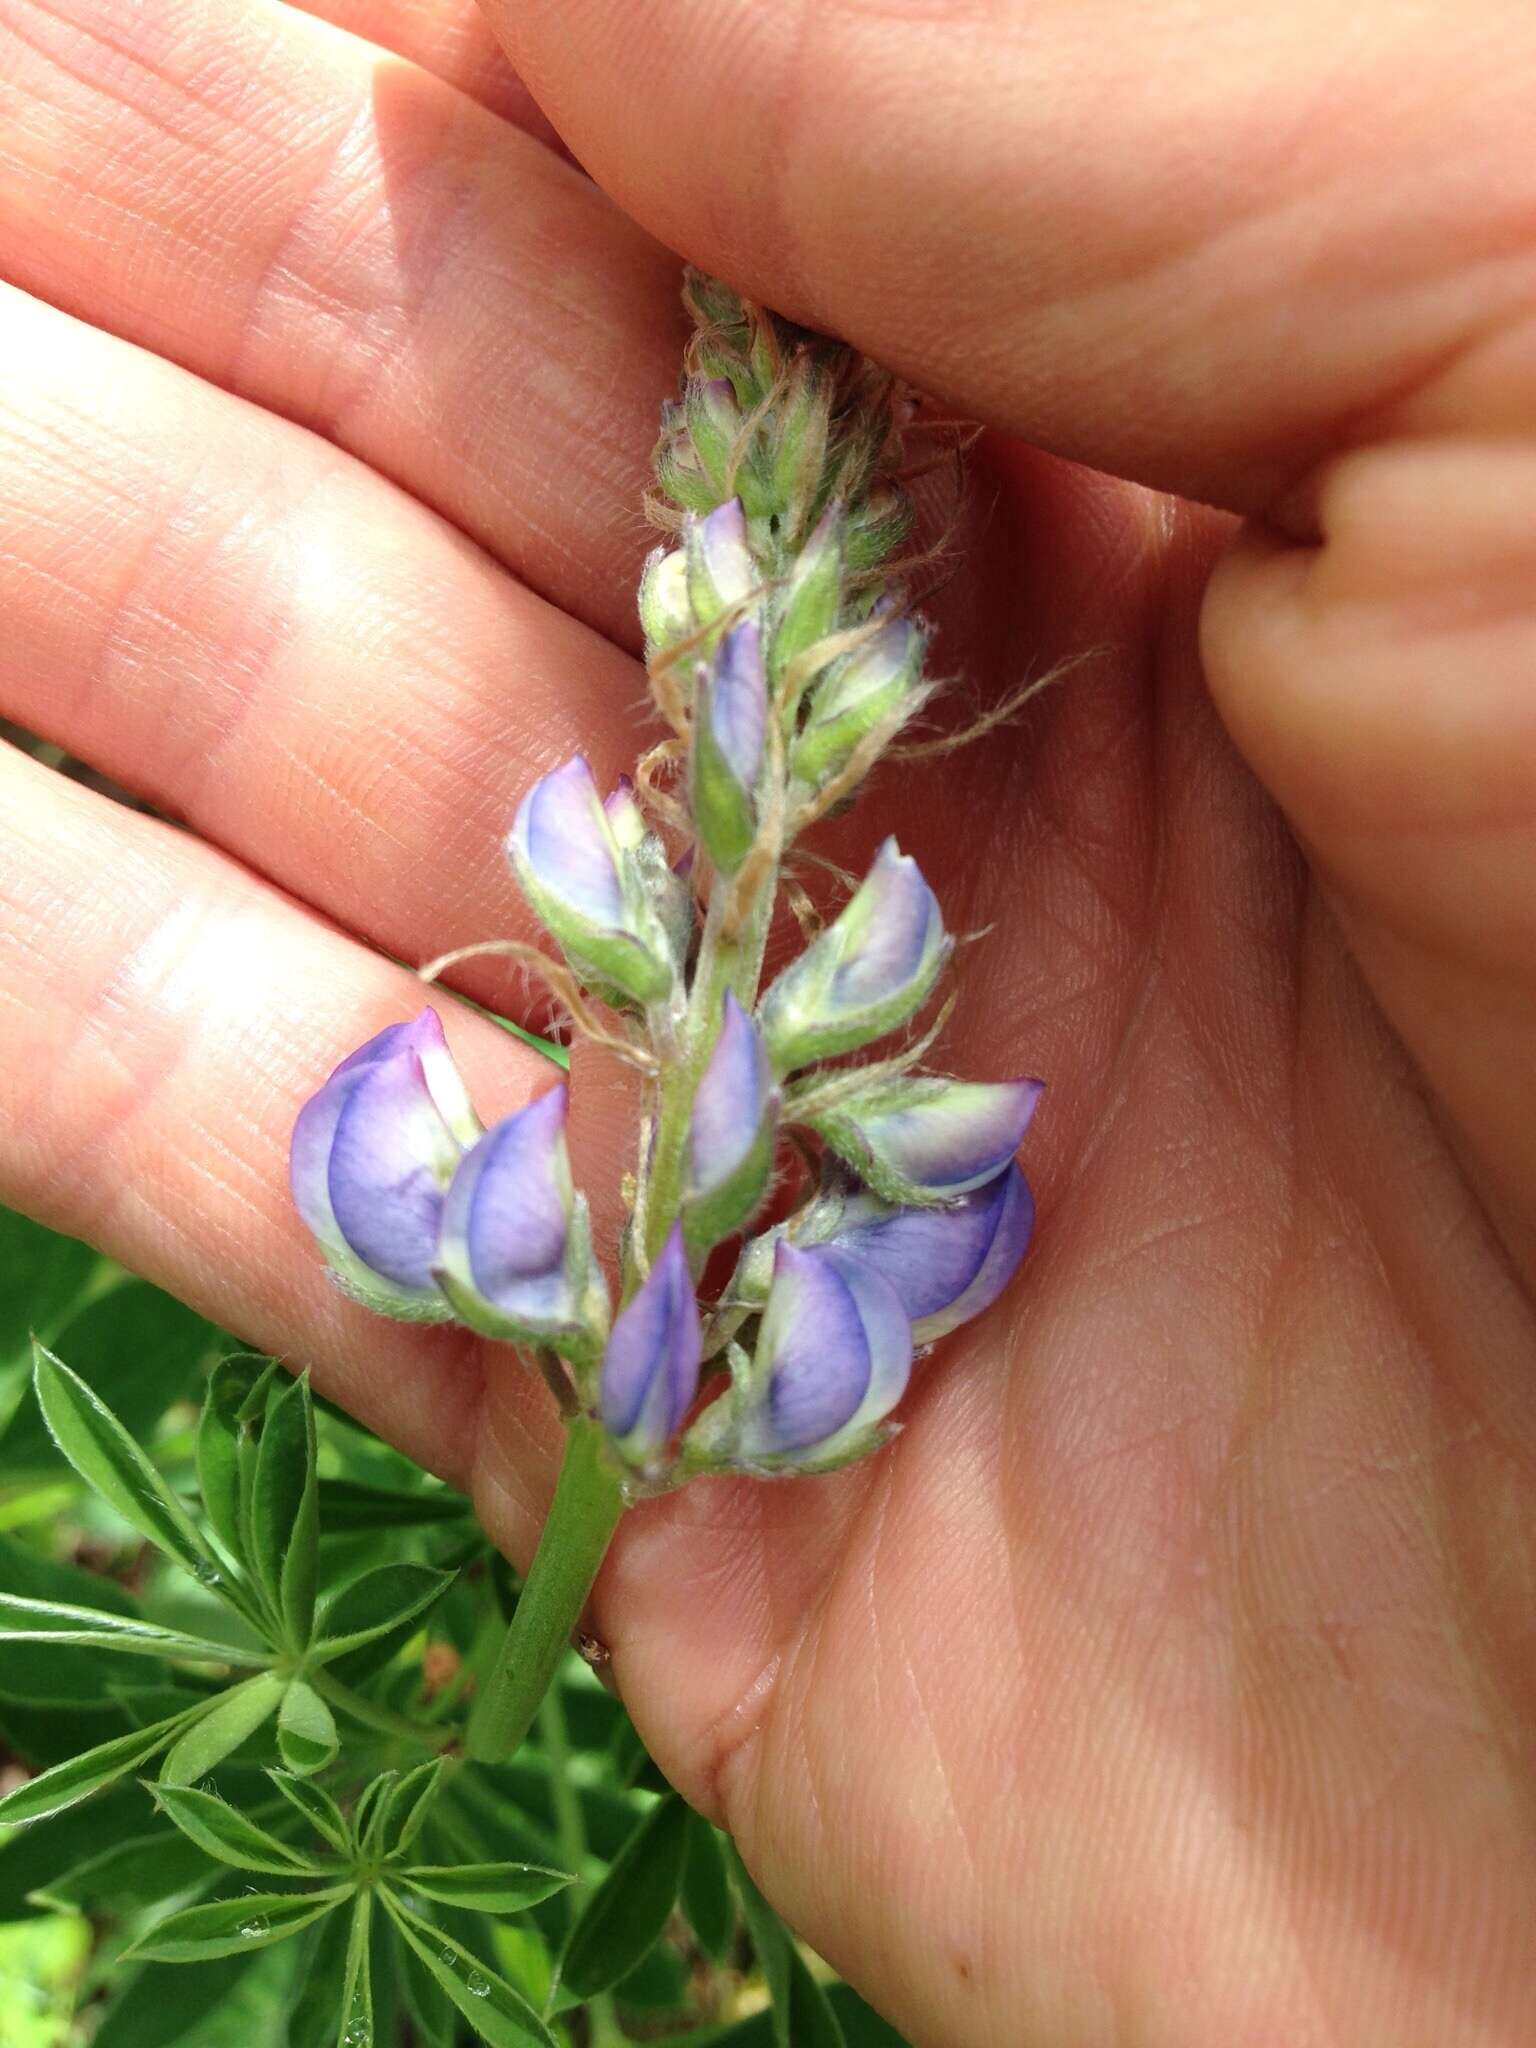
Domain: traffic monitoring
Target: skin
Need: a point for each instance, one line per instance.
(1170, 1681)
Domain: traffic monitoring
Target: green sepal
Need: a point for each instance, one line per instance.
(724, 814)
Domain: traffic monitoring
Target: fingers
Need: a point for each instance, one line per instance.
(162, 1017)
(1382, 686)
(264, 638)
(452, 40)
(349, 241)
(1193, 249)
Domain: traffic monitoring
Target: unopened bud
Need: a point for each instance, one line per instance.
(730, 717)
(870, 689)
(926, 1139)
(721, 571)
(650, 1371)
(665, 613)
(867, 972)
(731, 1133)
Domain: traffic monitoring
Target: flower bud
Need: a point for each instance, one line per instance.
(565, 854)
(947, 1264)
(678, 468)
(833, 1358)
(714, 422)
(729, 719)
(800, 419)
(513, 1257)
(884, 521)
(665, 613)
(866, 690)
(927, 1139)
(808, 610)
(371, 1157)
(730, 1133)
(650, 1371)
(867, 972)
(721, 571)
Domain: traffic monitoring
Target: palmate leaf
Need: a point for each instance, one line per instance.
(222, 1727)
(629, 1909)
(225, 1833)
(409, 1802)
(91, 1628)
(78, 1776)
(108, 1459)
(497, 2013)
(227, 1927)
(484, 1887)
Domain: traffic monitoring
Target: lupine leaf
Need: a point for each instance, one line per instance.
(285, 1526)
(239, 1713)
(108, 1459)
(629, 1909)
(497, 2013)
(167, 2005)
(356, 2012)
(133, 1873)
(802, 2016)
(316, 1805)
(409, 1803)
(226, 1927)
(225, 1833)
(135, 1344)
(707, 1898)
(306, 1730)
(78, 1776)
(44, 1276)
(348, 1507)
(485, 1887)
(51, 1621)
(36, 1675)
(391, 1597)
(311, 2019)
(370, 1808)
(219, 1433)
(431, 2010)
(32, 1856)
(657, 1984)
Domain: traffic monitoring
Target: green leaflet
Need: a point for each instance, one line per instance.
(78, 1776)
(497, 2013)
(223, 1727)
(629, 1909)
(306, 1731)
(227, 1927)
(484, 1887)
(225, 1833)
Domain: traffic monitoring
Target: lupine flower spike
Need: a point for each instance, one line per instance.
(784, 659)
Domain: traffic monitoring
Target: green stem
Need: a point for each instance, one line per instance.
(582, 1518)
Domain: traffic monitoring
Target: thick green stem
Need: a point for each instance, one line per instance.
(582, 1518)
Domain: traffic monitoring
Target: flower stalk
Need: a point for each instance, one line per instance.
(783, 660)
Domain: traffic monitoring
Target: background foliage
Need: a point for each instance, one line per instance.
(237, 1636)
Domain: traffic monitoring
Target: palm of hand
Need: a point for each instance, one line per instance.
(1185, 1614)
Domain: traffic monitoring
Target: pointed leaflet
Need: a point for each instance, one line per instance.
(221, 1427)
(408, 1805)
(317, 1807)
(225, 1833)
(629, 1909)
(226, 1927)
(237, 1714)
(355, 2017)
(706, 1891)
(108, 1459)
(485, 1887)
(285, 1515)
(311, 2019)
(306, 1731)
(497, 2013)
(377, 1604)
(431, 2014)
(81, 1775)
(802, 2016)
(52, 1621)
(135, 1872)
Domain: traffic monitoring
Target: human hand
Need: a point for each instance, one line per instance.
(1170, 1679)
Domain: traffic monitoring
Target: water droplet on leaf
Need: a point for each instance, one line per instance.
(256, 1926)
(478, 1986)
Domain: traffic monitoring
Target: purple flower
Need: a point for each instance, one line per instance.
(565, 854)
(833, 1358)
(650, 1371)
(946, 1264)
(867, 972)
(372, 1155)
(507, 1260)
(730, 719)
(730, 1135)
(929, 1136)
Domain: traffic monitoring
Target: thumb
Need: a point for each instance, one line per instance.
(1192, 246)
